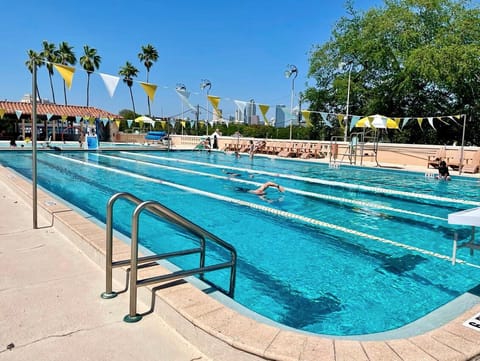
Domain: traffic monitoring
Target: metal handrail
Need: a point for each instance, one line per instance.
(172, 217)
(352, 149)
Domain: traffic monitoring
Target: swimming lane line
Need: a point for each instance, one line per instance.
(321, 181)
(269, 210)
(291, 190)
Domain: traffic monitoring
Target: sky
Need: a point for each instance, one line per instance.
(242, 47)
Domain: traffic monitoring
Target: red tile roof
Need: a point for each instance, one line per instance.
(57, 110)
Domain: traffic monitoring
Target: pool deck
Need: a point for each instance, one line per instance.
(51, 307)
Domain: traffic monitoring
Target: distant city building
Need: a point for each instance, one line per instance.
(280, 121)
(27, 98)
(250, 111)
(254, 120)
(239, 116)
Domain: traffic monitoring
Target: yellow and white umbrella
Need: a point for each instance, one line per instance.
(377, 121)
(144, 119)
(363, 123)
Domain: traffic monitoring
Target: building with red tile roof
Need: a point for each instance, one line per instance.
(10, 110)
(16, 119)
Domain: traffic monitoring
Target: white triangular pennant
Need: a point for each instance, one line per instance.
(241, 105)
(110, 82)
(405, 122)
(325, 119)
(183, 94)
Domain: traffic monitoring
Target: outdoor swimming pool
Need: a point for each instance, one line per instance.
(345, 251)
(69, 145)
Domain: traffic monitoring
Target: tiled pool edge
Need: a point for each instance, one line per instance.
(222, 333)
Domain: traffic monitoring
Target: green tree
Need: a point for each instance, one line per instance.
(50, 55)
(148, 56)
(34, 60)
(410, 58)
(66, 56)
(128, 71)
(90, 61)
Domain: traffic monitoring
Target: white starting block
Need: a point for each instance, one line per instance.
(469, 217)
(334, 165)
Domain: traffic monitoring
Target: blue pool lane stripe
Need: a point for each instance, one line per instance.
(322, 181)
(269, 210)
(304, 193)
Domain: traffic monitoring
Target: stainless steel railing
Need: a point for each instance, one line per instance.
(137, 262)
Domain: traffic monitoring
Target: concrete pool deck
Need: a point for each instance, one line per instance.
(51, 309)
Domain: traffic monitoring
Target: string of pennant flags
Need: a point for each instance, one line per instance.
(329, 119)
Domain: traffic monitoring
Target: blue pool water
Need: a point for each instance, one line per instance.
(345, 251)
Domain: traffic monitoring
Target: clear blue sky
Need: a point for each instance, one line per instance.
(242, 47)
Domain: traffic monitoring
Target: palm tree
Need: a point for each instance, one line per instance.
(128, 71)
(34, 59)
(90, 61)
(149, 55)
(50, 55)
(66, 56)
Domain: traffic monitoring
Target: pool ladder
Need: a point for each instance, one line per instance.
(135, 262)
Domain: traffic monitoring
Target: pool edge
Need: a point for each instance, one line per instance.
(219, 331)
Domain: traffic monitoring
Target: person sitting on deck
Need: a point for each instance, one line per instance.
(443, 172)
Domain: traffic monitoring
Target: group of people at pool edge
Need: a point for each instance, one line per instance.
(443, 173)
(253, 147)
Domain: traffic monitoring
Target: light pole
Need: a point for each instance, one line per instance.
(291, 70)
(350, 66)
(206, 84)
(182, 90)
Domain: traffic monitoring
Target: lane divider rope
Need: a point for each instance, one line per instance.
(291, 190)
(322, 181)
(271, 211)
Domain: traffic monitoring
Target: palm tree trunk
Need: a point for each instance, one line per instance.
(38, 93)
(88, 87)
(133, 103)
(148, 98)
(65, 91)
(51, 87)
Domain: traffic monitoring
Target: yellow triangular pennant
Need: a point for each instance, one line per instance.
(66, 72)
(2, 113)
(306, 116)
(150, 89)
(264, 109)
(215, 101)
(340, 118)
(420, 121)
